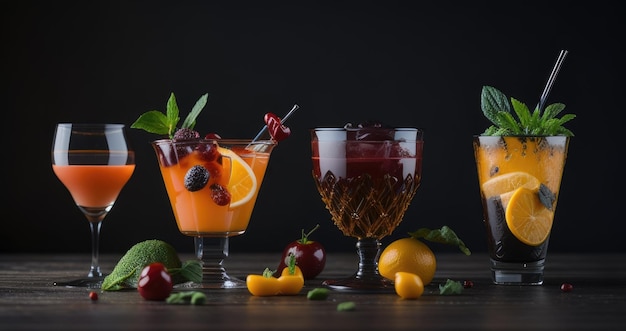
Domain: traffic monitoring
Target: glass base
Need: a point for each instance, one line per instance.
(226, 282)
(372, 284)
(88, 282)
(517, 273)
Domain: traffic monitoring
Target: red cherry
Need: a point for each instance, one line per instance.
(277, 130)
(567, 287)
(155, 283)
(212, 135)
(310, 256)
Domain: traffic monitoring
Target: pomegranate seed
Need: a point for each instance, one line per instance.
(468, 284)
(93, 295)
(567, 287)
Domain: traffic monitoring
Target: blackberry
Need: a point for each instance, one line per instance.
(196, 178)
(186, 134)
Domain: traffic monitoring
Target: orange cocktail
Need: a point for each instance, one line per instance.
(519, 181)
(94, 185)
(193, 176)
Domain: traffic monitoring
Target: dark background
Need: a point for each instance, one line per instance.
(407, 64)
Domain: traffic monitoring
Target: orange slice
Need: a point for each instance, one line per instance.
(504, 185)
(527, 218)
(242, 184)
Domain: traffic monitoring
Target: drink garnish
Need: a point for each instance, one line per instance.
(166, 123)
(497, 108)
(276, 128)
(541, 122)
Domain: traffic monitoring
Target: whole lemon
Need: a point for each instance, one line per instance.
(408, 255)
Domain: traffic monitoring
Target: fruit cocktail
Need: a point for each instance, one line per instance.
(366, 176)
(212, 183)
(520, 164)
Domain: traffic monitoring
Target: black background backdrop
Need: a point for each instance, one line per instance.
(407, 64)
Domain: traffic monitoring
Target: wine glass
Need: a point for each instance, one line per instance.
(94, 162)
(366, 177)
(243, 164)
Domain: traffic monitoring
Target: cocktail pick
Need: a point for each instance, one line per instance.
(555, 71)
(293, 109)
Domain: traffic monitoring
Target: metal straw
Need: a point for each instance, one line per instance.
(555, 71)
(282, 120)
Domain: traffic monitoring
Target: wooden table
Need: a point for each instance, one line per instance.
(29, 301)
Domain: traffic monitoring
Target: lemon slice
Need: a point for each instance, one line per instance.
(505, 184)
(242, 184)
(527, 218)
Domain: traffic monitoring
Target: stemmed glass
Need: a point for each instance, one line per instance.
(236, 164)
(94, 162)
(366, 177)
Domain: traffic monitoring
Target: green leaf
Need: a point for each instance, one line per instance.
(451, 287)
(445, 235)
(318, 293)
(190, 120)
(187, 297)
(523, 114)
(497, 109)
(506, 121)
(152, 121)
(346, 306)
(552, 110)
(166, 123)
(192, 271)
(172, 114)
(492, 102)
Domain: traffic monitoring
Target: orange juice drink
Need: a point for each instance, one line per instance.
(195, 174)
(94, 185)
(519, 181)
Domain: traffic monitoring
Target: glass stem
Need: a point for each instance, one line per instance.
(368, 250)
(94, 270)
(95, 217)
(211, 252)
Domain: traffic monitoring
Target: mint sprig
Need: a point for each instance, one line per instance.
(157, 122)
(497, 108)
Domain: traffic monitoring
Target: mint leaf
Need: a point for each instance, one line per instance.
(492, 102)
(497, 109)
(153, 122)
(190, 120)
(445, 235)
(165, 123)
(451, 287)
(172, 114)
(187, 297)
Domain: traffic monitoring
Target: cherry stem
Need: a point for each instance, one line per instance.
(305, 237)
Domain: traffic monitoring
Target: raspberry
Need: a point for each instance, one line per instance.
(220, 195)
